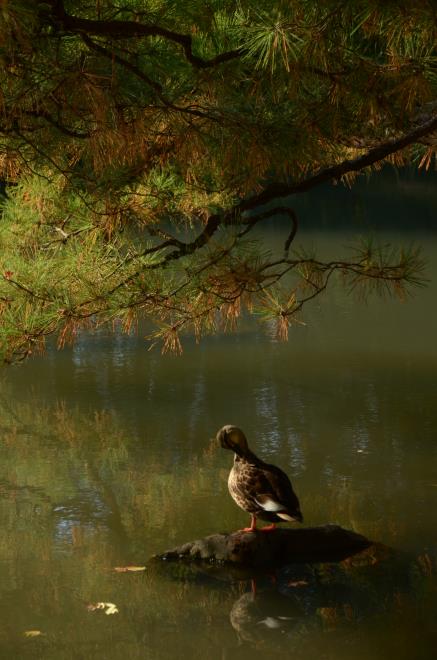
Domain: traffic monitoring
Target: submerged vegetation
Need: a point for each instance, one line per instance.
(142, 141)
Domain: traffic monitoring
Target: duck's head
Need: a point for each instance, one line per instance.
(233, 438)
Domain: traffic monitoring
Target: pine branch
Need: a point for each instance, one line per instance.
(117, 29)
(335, 172)
(157, 88)
(41, 114)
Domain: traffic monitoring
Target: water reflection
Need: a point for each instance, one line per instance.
(267, 617)
(79, 496)
(305, 609)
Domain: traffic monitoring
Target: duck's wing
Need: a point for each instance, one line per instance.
(275, 494)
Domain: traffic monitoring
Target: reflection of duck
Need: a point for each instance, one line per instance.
(264, 616)
(261, 489)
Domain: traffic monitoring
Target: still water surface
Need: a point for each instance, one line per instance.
(105, 460)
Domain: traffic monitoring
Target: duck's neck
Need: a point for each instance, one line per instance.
(247, 457)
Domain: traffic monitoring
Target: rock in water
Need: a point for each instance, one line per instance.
(325, 543)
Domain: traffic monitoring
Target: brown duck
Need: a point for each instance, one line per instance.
(261, 489)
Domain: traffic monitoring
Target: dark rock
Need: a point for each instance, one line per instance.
(325, 543)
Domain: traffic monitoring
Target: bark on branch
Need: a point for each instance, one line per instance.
(117, 29)
(335, 172)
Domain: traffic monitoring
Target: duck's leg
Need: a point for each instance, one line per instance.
(268, 528)
(252, 527)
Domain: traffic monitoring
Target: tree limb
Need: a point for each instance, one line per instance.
(374, 155)
(142, 76)
(117, 29)
(41, 114)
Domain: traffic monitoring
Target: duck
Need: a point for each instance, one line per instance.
(262, 490)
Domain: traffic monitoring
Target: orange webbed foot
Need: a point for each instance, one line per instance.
(252, 527)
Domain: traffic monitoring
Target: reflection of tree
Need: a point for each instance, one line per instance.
(96, 481)
(50, 457)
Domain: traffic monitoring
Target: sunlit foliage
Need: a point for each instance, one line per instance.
(141, 141)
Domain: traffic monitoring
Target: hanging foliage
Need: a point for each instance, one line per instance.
(141, 142)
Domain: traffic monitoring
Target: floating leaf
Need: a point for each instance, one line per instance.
(108, 608)
(129, 569)
(32, 633)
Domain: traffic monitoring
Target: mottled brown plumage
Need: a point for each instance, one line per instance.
(261, 489)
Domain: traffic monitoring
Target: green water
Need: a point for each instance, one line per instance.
(105, 460)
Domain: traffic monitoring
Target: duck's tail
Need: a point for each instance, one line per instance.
(296, 516)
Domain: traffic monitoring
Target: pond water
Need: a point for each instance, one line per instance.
(105, 460)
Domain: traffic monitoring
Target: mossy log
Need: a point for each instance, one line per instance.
(282, 546)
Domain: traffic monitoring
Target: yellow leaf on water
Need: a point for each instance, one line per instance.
(32, 633)
(109, 608)
(129, 569)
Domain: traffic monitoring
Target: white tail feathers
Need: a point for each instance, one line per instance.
(285, 516)
(270, 505)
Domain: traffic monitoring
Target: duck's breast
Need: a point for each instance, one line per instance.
(240, 483)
